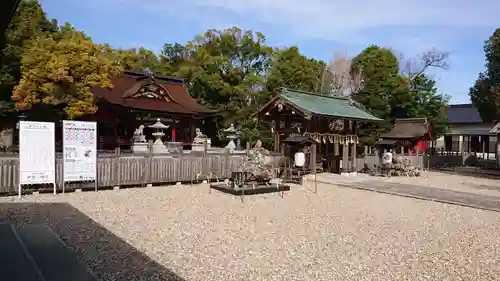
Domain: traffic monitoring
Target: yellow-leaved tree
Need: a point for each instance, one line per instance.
(62, 69)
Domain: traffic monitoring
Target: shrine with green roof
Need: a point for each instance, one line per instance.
(330, 121)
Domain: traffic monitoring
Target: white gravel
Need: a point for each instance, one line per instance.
(336, 234)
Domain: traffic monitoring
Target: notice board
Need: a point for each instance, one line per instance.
(37, 152)
(79, 151)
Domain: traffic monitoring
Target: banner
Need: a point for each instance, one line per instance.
(79, 151)
(37, 152)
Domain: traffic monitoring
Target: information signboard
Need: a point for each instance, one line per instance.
(36, 153)
(79, 151)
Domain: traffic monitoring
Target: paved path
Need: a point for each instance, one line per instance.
(467, 199)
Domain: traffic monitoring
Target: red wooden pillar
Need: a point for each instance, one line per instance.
(173, 134)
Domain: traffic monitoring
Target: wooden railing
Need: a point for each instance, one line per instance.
(126, 170)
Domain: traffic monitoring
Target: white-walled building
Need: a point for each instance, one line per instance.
(468, 132)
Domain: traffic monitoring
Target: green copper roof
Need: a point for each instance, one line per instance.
(325, 105)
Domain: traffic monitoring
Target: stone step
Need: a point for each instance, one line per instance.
(15, 263)
(56, 261)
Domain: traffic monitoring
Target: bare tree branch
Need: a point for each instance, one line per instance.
(432, 58)
(342, 79)
(413, 67)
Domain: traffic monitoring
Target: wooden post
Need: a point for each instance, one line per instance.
(117, 167)
(204, 163)
(312, 157)
(354, 164)
(191, 131)
(313, 162)
(150, 164)
(336, 149)
(345, 157)
(483, 144)
(277, 134)
(226, 163)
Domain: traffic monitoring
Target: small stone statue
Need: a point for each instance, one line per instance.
(200, 139)
(139, 134)
(231, 129)
(6, 139)
(199, 134)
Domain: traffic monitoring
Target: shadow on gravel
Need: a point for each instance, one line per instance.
(105, 254)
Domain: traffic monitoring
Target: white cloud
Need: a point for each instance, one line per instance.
(327, 18)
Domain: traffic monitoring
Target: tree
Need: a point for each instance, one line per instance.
(139, 60)
(429, 103)
(342, 79)
(28, 22)
(485, 93)
(384, 91)
(391, 93)
(416, 66)
(292, 70)
(225, 70)
(172, 57)
(61, 69)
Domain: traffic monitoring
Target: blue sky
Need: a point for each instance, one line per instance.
(320, 28)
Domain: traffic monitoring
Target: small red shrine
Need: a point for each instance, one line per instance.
(140, 99)
(411, 133)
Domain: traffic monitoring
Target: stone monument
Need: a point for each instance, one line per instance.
(158, 146)
(139, 144)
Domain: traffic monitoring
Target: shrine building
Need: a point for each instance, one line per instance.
(140, 99)
(330, 121)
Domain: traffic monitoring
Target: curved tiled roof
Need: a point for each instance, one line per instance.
(408, 128)
(179, 101)
(463, 114)
(322, 105)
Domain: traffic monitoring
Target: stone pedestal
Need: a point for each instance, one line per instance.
(231, 146)
(158, 147)
(199, 144)
(140, 147)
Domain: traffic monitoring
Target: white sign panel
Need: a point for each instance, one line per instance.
(79, 150)
(37, 152)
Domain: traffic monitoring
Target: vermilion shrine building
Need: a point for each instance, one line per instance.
(140, 99)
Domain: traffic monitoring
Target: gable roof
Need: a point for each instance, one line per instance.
(126, 85)
(8, 9)
(408, 128)
(463, 114)
(311, 103)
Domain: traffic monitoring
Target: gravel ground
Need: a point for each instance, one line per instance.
(462, 183)
(337, 234)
